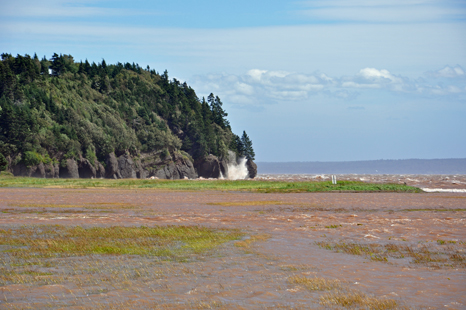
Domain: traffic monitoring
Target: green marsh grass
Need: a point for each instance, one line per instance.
(170, 242)
(223, 185)
(356, 299)
(442, 254)
(340, 295)
(315, 284)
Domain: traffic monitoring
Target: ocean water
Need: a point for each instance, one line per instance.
(428, 182)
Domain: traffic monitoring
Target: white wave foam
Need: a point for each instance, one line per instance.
(238, 171)
(443, 190)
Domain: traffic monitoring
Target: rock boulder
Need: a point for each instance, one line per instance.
(127, 167)
(208, 167)
(70, 169)
(86, 169)
(112, 170)
(35, 171)
(252, 168)
(99, 169)
(50, 170)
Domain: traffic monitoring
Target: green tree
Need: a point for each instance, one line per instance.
(247, 145)
(218, 114)
(58, 64)
(3, 162)
(106, 108)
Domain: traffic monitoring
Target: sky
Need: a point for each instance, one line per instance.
(333, 80)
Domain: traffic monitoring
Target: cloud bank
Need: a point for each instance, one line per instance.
(257, 87)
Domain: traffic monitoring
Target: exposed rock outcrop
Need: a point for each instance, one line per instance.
(70, 170)
(140, 172)
(86, 169)
(112, 170)
(185, 167)
(52, 170)
(127, 167)
(99, 169)
(208, 167)
(167, 172)
(20, 170)
(35, 171)
(252, 168)
(176, 166)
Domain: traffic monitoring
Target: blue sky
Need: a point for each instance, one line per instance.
(333, 80)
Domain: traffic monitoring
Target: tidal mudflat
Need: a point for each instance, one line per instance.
(152, 248)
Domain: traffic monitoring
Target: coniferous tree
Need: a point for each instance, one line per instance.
(81, 68)
(218, 114)
(58, 64)
(248, 151)
(110, 110)
(87, 67)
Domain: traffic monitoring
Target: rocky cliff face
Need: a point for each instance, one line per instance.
(208, 167)
(176, 165)
(69, 169)
(112, 171)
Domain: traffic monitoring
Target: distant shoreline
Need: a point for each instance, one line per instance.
(401, 166)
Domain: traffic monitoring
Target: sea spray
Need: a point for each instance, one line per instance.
(238, 170)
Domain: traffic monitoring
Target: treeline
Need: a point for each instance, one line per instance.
(52, 109)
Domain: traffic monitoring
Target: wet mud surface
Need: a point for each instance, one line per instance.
(415, 249)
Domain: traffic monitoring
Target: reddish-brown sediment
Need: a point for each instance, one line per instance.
(238, 277)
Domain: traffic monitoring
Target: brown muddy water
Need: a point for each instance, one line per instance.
(406, 248)
(429, 181)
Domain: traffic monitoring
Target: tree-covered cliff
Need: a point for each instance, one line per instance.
(55, 110)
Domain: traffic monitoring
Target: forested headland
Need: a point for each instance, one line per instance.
(62, 118)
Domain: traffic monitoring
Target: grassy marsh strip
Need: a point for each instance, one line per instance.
(441, 254)
(224, 185)
(169, 242)
(341, 295)
(359, 300)
(315, 284)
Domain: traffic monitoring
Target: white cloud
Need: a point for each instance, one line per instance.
(256, 74)
(258, 87)
(448, 72)
(357, 85)
(369, 73)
